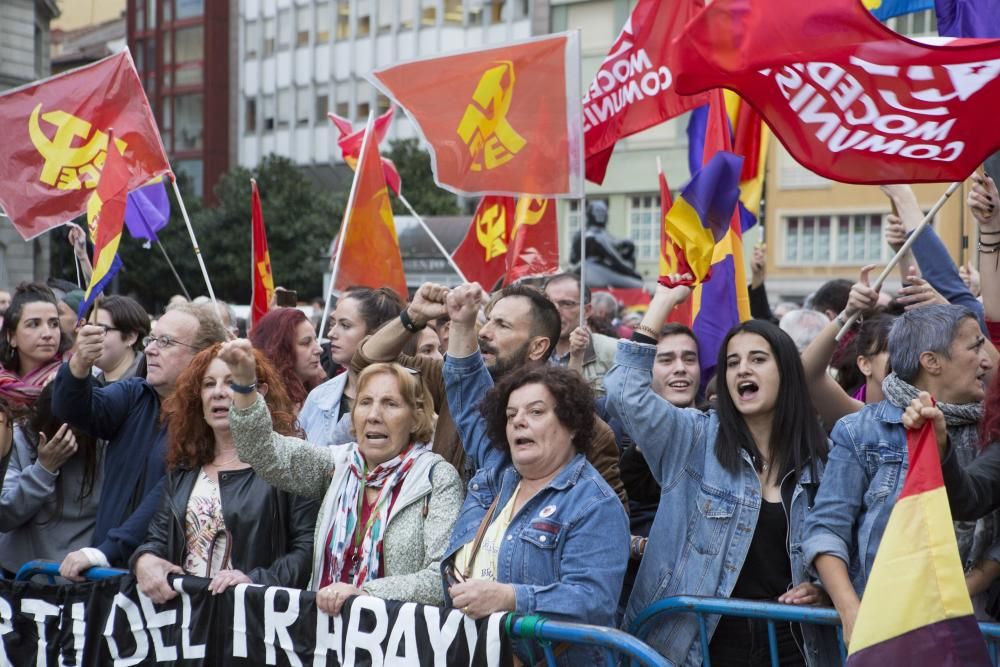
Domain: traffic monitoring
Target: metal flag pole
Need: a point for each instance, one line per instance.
(342, 234)
(433, 236)
(902, 251)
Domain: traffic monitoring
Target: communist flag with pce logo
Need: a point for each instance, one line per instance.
(53, 151)
(503, 121)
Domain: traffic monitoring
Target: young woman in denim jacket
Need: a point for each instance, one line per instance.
(736, 482)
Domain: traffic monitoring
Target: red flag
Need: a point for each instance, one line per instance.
(52, 152)
(498, 121)
(370, 253)
(534, 245)
(681, 313)
(350, 145)
(482, 254)
(262, 279)
(850, 99)
(633, 90)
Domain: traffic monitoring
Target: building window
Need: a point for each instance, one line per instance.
(252, 39)
(428, 12)
(188, 9)
(269, 37)
(364, 18)
(343, 20)
(322, 108)
(322, 22)
(453, 12)
(189, 45)
(849, 238)
(915, 24)
(303, 103)
(407, 10)
(189, 121)
(303, 20)
(284, 108)
(644, 225)
(284, 30)
(268, 107)
(195, 171)
(250, 115)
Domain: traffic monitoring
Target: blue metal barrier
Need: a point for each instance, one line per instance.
(50, 569)
(616, 644)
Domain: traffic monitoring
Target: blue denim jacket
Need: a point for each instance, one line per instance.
(707, 514)
(566, 550)
(864, 475)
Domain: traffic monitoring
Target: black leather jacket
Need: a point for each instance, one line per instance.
(272, 531)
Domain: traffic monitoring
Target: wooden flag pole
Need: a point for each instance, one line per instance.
(342, 234)
(434, 237)
(194, 243)
(902, 251)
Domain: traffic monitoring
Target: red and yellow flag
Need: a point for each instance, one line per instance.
(916, 608)
(350, 145)
(105, 220)
(260, 276)
(369, 250)
(52, 151)
(499, 121)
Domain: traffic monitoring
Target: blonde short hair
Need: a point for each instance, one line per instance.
(414, 392)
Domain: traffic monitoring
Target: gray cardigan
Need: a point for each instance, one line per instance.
(419, 525)
(28, 503)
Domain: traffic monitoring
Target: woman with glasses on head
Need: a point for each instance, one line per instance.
(388, 502)
(218, 518)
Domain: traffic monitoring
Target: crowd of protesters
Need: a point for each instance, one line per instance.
(485, 452)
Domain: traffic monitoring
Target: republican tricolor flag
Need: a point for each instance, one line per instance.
(261, 278)
(916, 608)
(105, 221)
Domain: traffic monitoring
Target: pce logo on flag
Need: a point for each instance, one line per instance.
(70, 167)
(484, 128)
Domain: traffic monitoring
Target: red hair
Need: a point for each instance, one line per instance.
(275, 336)
(190, 441)
(989, 427)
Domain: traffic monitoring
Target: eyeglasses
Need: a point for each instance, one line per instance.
(164, 342)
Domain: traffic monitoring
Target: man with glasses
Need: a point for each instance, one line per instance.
(594, 357)
(127, 415)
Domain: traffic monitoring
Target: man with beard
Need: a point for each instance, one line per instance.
(522, 327)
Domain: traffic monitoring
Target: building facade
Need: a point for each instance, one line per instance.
(24, 57)
(182, 51)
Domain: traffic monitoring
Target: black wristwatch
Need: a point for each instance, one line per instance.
(244, 388)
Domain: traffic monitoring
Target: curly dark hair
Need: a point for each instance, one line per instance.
(573, 396)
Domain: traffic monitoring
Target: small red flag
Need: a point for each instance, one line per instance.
(52, 152)
(350, 145)
(261, 277)
(499, 121)
(534, 244)
(370, 255)
(850, 99)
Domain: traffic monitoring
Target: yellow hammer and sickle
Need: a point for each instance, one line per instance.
(491, 227)
(529, 212)
(481, 130)
(59, 152)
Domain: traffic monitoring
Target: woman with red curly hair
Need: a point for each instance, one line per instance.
(288, 341)
(218, 519)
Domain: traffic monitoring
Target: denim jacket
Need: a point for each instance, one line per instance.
(707, 514)
(318, 417)
(566, 550)
(864, 475)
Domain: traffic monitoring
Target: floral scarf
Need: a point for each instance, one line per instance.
(348, 503)
(20, 393)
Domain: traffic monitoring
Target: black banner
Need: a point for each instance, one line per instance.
(110, 623)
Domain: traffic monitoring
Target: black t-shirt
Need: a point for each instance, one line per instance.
(767, 571)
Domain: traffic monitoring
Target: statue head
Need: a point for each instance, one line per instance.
(597, 213)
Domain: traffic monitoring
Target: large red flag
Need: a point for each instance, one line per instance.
(262, 279)
(350, 145)
(850, 99)
(482, 254)
(370, 250)
(499, 121)
(534, 240)
(633, 89)
(52, 151)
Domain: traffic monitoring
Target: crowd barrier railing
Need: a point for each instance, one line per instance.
(50, 569)
(618, 647)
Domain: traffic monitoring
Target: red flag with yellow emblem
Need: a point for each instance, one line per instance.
(369, 250)
(261, 278)
(52, 151)
(505, 120)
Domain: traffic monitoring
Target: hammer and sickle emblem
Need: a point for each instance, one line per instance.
(491, 228)
(529, 212)
(64, 162)
(484, 128)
